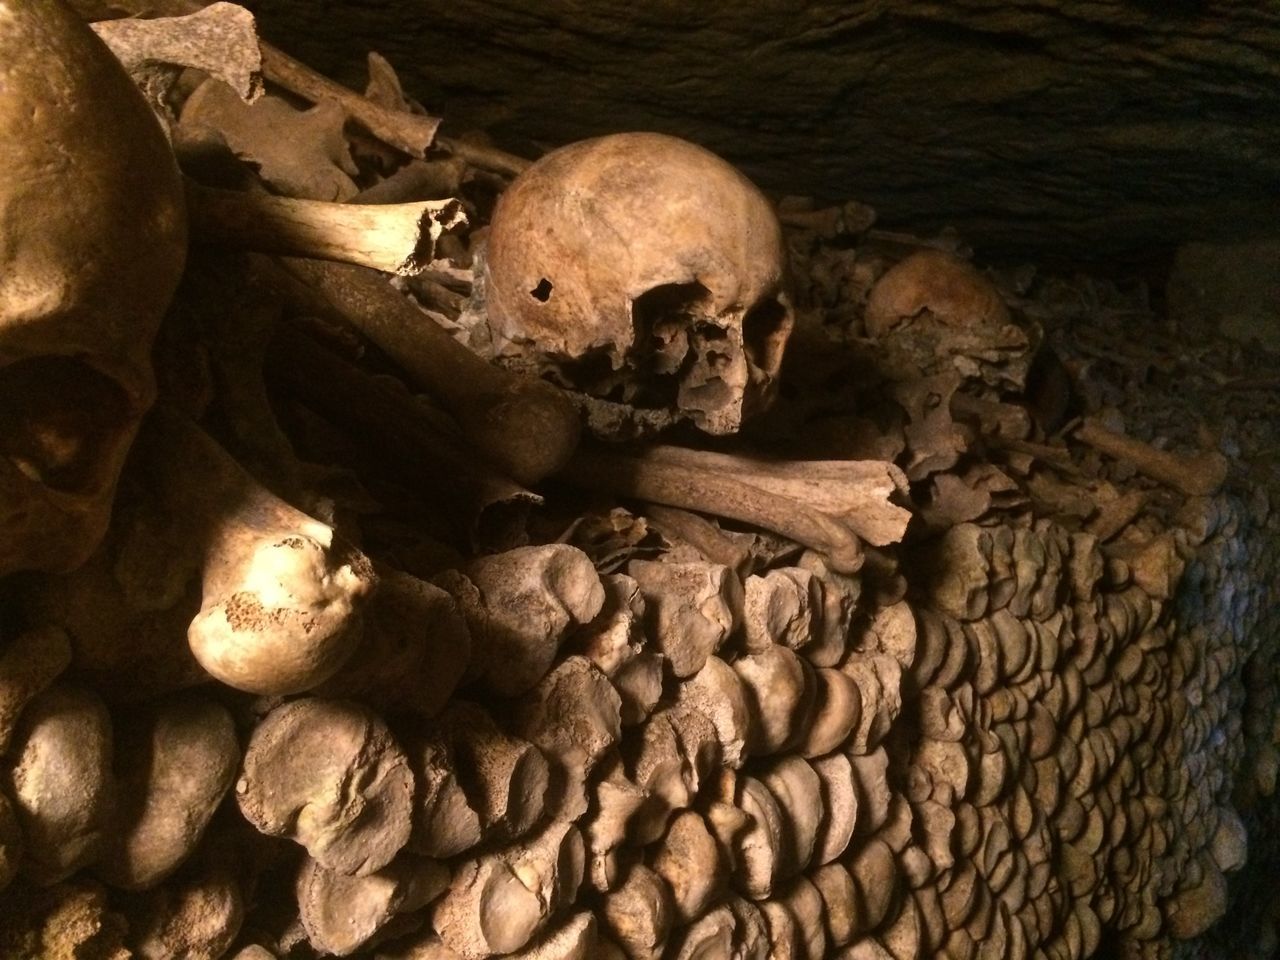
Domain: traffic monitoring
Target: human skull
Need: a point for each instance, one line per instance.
(92, 244)
(643, 269)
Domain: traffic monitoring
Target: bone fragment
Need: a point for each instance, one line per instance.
(444, 822)
(342, 914)
(499, 902)
(174, 764)
(690, 609)
(529, 598)
(526, 427)
(29, 661)
(798, 792)
(804, 902)
(839, 805)
(327, 774)
(826, 505)
(688, 859)
(397, 238)
(282, 594)
(197, 916)
(716, 691)
(781, 693)
(58, 774)
(780, 607)
(711, 938)
(836, 715)
(1198, 476)
(638, 913)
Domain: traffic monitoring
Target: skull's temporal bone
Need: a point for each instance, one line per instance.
(643, 269)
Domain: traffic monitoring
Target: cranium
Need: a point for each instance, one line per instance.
(644, 269)
(92, 243)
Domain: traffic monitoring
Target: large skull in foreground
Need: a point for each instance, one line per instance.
(92, 243)
(644, 269)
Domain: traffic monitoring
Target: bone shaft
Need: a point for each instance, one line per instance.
(394, 238)
(1194, 476)
(720, 495)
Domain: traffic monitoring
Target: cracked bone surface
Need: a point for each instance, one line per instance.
(911, 674)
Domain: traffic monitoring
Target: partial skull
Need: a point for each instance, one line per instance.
(92, 245)
(642, 269)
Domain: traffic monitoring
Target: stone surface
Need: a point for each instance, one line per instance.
(1039, 126)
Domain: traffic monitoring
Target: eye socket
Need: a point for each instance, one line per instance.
(764, 333)
(542, 292)
(59, 421)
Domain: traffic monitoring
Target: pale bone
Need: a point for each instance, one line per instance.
(875, 874)
(616, 636)
(804, 902)
(840, 805)
(947, 766)
(639, 684)
(870, 772)
(1198, 476)
(798, 792)
(839, 898)
(879, 680)
(575, 939)
(902, 937)
(786, 939)
(956, 575)
(751, 931)
(760, 848)
(281, 594)
(89, 271)
(688, 859)
(506, 779)
(525, 427)
(609, 824)
(653, 257)
(29, 662)
(829, 506)
(838, 596)
(529, 599)
(499, 902)
(781, 693)
(779, 607)
(938, 282)
(716, 691)
(395, 238)
(59, 777)
(690, 609)
(199, 916)
(837, 715)
(679, 750)
(711, 938)
(414, 651)
(444, 823)
(638, 913)
(892, 630)
(174, 763)
(342, 914)
(301, 764)
(574, 716)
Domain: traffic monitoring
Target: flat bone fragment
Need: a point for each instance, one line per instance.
(798, 791)
(839, 897)
(531, 597)
(838, 595)
(786, 939)
(327, 774)
(711, 938)
(174, 764)
(761, 847)
(690, 609)
(58, 774)
(444, 822)
(616, 636)
(803, 900)
(342, 914)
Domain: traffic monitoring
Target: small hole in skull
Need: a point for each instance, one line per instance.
(542, 292)
(59, 420)
(763, 333)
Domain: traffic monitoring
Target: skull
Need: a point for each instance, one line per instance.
(643, 269)
(92, 244)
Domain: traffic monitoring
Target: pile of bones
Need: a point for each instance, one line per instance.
(412, 552)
